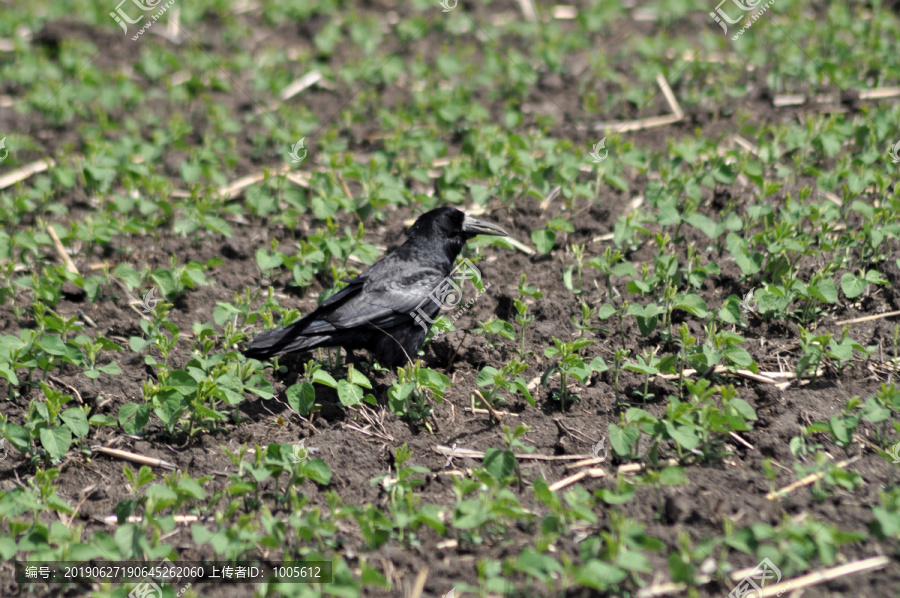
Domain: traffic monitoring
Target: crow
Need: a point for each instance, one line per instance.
(386, 310)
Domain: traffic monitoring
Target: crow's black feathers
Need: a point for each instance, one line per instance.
(373, 311)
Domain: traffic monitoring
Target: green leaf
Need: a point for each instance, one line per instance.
(875, 277)
(229, 388)
(606, 311)
(598, 575)
(647, 325)
(598, 365)
(683, 435)
(358, 378)
(137, 344)
(8, 373)
(692, 304)
(560, 223)
(612, 497)
(56, 441)
(201, 535)
(134, 417)
(852, 286)
(825, 291)
(267, 260)
(743, 408)
(317, 470)
(101, 419)
(500, 463)
(165, 280)
(708, 226)
(828, 143)
(567, 279)
(522, 386)
(53, 345)
(349, 394)
(111, 368)
(622, 440)
(673, 476)
(7, 548)
(886, 523)
(624, 269)
(669, 214)
(182, 382)
(18, 437)
(259, 386)
(840, 429)
(324, 378)
(749, 263)
(738, 356)
(192, 488)
(302, 397)
(538, 565)
(486, 376)
(127, 274)
(76, 421)
(224, 312)
(168, 407)
(633, 561)
(730, 313)
(543, 239)
(874, 411)
(57, 503)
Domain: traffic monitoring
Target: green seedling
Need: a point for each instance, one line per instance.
(506, 379)
(570, 364)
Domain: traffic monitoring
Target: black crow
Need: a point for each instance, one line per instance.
(388, 309)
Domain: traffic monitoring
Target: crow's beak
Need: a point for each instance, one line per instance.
(473, 226)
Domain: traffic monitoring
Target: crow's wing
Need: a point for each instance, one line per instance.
(354, 285)
(386, 301)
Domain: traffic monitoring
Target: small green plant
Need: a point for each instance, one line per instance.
(577, 268)
(610, 264)
(494, 328)
(544, 239)
(405, 505)
(53, 427)
(408, 395)
(570, 364)
(650, 365)
(507, 379)
(587, 312)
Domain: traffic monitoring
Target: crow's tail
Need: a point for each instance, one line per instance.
(287, 339)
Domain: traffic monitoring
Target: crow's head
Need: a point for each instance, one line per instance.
(451, 224)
